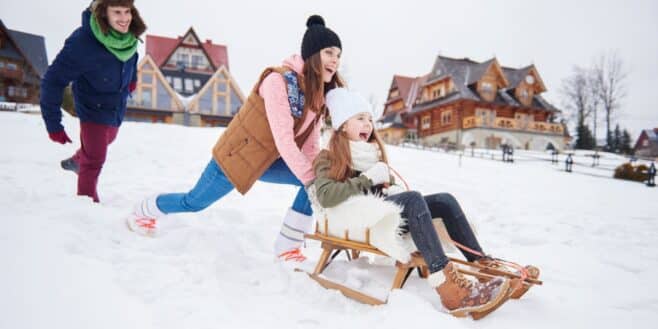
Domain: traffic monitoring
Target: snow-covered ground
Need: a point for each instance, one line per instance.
(69, 263)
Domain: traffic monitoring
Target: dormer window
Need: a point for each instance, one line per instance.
(437, 93)
(487, 87)
(524, 94)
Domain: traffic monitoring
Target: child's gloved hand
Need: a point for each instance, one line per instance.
(393, 190)
(378, 173)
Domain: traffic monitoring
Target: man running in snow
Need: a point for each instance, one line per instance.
(100, 58)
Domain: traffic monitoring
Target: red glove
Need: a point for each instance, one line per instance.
(60, 137)
(132, 86)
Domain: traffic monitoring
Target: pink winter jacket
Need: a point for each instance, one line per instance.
(274, 92)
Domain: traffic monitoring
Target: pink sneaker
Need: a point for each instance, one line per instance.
(142, 225)
(294, 255)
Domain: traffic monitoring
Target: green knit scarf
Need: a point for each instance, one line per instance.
(121, 45)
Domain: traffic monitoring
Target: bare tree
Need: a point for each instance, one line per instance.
(609, 78)
(578, 96)
(594, 101)
(374, 106)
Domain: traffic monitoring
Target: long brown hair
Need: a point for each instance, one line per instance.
(99, 10)
(314, 86)
(340, 156)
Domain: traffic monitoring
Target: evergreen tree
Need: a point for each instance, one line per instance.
(626, 146)
(616, 140)
(585, 141)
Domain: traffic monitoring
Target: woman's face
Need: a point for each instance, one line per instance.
(330, 57)
(359, 127)
(119, 18)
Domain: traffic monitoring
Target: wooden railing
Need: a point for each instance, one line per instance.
(16, 74)
(513, 124)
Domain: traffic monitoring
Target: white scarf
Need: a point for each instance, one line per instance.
(364, 155)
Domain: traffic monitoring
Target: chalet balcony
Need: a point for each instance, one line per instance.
(513, 124)
(16, 74)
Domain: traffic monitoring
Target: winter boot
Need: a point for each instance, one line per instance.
(70, 164)
(144, 218)
(290, 239)
(533, 272)
(461, 296)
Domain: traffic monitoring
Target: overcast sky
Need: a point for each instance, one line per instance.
(383, 38)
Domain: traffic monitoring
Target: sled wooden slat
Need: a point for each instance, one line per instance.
(348, 292)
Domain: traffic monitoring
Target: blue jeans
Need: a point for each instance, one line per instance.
(213, 185)
(419, 211)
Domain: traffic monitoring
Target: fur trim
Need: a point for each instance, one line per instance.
(436, 279)
(360, 212)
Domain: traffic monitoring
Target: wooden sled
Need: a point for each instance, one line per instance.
(332, 246)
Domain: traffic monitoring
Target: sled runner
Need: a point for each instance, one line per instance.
(332, 246)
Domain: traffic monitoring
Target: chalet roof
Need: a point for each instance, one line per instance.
(515, 76)
(652, 134)
(32, 46)
(160, 48)
(392, 120)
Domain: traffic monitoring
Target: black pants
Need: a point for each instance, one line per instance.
(419, 211)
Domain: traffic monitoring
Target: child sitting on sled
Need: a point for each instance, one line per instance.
(352, 171)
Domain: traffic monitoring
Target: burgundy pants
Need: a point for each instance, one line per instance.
(94, 140)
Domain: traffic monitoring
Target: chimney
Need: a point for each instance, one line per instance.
(208, 41)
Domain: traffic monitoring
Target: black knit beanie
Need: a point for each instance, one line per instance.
(317, 37)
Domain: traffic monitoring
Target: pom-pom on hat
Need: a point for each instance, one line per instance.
(318, 37)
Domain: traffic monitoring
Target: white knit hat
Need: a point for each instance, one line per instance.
(344, 104)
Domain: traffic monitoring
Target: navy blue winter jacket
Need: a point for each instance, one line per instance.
(100, 80)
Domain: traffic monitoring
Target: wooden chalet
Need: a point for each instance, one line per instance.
(23, 63)
(464, 103)
(185, 81)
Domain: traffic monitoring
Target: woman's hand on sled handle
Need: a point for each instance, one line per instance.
(378, 174)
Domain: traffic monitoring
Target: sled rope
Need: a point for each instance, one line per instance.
(522, 270)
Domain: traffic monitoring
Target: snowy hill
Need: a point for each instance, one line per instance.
(68, 263)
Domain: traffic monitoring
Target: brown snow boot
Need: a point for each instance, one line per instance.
(461, 296)
(533, 272)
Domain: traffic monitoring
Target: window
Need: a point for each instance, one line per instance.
(17, 91)
(168, 79)
(189, 85)
(221, 86)
(147, 78)
(2, 65)
(197, 83)
(12, 66)
(645, 143)
(178, 84)
(524, 93)
(394, 93)
(486, 116)
(197, 61)
(437, 93)
(146, 97)
(426, 122)
(487, 87)
(446, 117)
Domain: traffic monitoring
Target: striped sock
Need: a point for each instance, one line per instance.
(291, 235)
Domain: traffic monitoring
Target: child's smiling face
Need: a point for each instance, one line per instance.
(359, 127)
